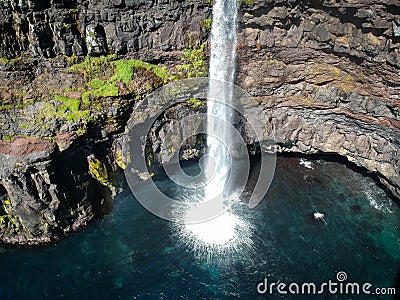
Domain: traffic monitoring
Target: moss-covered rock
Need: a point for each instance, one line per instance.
(99, 170)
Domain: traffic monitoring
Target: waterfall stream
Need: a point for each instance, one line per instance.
(220, 96)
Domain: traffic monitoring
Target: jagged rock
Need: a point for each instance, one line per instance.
(45, 196)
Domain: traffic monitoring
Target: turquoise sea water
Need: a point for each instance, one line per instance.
(131, 254)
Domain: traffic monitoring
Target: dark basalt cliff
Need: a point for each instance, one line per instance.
(63, 27)
(325, 75)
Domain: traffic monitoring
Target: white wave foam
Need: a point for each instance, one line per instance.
(307, 164)
(383, 204)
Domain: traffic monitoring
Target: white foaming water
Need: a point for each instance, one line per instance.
(220, 241)
(219, 231)
(306, 163)
(381, 205)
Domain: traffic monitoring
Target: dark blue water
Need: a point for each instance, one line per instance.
(130, 254)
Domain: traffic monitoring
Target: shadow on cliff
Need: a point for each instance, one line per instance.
(76, 188)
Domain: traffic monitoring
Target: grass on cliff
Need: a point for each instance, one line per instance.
(94, 67)
(206, 24)
(62, 108)
(103, 76)
(124, 70)
(69, 108)
(105, 72)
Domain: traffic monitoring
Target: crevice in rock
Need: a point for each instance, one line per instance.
(3, 191)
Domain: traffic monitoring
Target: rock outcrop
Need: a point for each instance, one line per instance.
(325, 75)
(46, 195)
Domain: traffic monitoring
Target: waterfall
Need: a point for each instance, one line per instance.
(224, 235)
(220, 96)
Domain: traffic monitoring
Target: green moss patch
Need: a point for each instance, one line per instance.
(69, 104)
(194, 62)
(104, 73)
(94, 67)
(195, 102)
(8, 219)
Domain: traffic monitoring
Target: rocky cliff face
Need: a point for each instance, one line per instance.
(326, 75)
(94, 27)
(46, 195)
